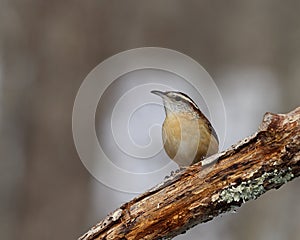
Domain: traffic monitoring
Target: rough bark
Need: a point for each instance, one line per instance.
(264, 161)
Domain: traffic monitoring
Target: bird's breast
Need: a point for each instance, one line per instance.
(187, 140)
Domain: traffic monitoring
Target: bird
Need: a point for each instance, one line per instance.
(188, 136)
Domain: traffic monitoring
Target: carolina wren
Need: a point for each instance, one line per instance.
(187, 134)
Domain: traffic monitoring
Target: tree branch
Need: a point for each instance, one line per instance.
(263, 161)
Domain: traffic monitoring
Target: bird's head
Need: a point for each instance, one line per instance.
(177, 102)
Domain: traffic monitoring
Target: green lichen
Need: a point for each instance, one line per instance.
(281, 176)
(244, 191)
(252, 189)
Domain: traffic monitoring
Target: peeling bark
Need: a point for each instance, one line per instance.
(264, 161)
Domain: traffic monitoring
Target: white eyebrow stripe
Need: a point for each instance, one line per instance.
(188, 100)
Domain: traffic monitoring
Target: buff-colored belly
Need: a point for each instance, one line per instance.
(187, 141)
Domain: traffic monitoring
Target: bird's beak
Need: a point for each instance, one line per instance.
(159, 93)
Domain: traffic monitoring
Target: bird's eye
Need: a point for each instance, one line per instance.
(177, 98)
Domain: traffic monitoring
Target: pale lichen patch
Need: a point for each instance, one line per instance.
(281, 176)
(245, 191)
(253, 188)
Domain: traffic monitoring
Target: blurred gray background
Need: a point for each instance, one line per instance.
(250, 48)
